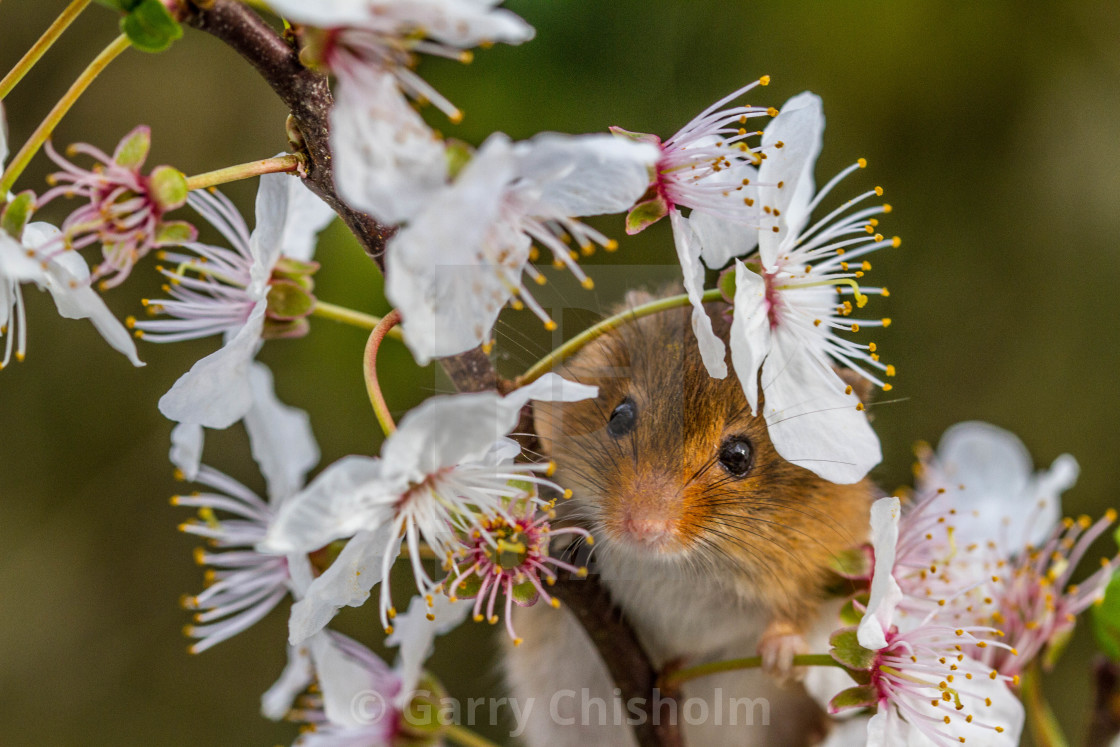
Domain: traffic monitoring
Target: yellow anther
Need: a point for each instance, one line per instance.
(879, 191)
(611, 245)
(764, 80)
(550, 325)
(588, 283)
(555, 603)
(862, 163)
(887, 387)
(887, 322)
(772, 112)
(456, 116)
(890, 371)
(896, 242)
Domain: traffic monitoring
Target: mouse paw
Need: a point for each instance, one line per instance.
(779, 644)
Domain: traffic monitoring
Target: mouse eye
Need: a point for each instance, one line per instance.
(623, 419)
(736, 456)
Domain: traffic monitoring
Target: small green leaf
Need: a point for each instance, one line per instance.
(175, 232)
(847, 651)
(168, 187)
(1106, 619)
(645, 214)
(288, 301)
(17, 213)
(133, 148)
(150, 26)
(854, 697)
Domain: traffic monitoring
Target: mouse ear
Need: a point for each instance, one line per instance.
(863, 388)
(636, 298)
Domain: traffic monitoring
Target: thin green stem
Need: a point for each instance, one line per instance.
(369, 367)
(46, 127)
(350, 316)
(466, 737)
(40, 47)
(750, 662)
(569, 348)
(279, 164)
(1044, 726)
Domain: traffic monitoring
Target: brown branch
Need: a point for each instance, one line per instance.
(308, 97)
(305, 93)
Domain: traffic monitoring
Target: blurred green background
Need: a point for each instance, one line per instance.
(991, 125)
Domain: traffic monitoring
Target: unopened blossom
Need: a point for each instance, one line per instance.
(257, 288)
(244, 585)
(792, 305)
(387, 161)
(446, 468)
(468, 253)
(125, 209)
(983, 540)
(507, 556)
(924, 681)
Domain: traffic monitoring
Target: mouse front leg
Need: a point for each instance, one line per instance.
(780, 642)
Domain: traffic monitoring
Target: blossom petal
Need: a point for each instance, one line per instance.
(280, 437)
(800, 128)
(450, 271)
(712, 350)
(587, 174)
(387, 161)
(885, 592)
(215, 392)
(453, 429)
(464, 23)
(415, 635)
(297, 675)
(813, 423)
(350, 495)
(990, 473)
(346, 583)
(342, 678)
(750, 331)
(186, 449)
(722, 239)
(304, 217)
(853, 732)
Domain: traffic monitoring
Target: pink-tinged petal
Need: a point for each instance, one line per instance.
(800, 129)
(346, 583)
(215, 393)
(67, 279)
(298, 674)
(450, 270)
(813, 422)
(414, 634)
(581, 175)
(280, 437)
(342, 680)
(186, 449)
(347, 497)
(885, 592)
(750, 331)
(712, 350)
(387, 161)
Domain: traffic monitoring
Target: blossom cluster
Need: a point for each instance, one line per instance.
(956, 612)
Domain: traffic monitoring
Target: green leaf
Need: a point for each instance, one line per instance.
(168, 187)
(150, 26)
(17, 213)
(645, 214)
(854, 697)
(1106, 619)
(847, 651)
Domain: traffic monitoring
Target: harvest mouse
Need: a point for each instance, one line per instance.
(712, 546)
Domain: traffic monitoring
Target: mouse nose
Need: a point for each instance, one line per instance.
(648, 512)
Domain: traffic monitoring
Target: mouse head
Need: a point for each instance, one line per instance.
(668, 462)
